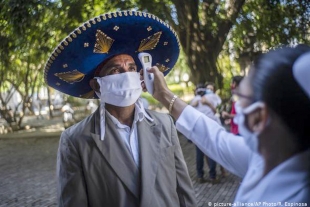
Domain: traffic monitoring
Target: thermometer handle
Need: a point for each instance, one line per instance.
(146, 61)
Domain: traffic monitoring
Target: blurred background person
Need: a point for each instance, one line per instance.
(91, 106)
(68, 112)
(206, 101)
(228, 117)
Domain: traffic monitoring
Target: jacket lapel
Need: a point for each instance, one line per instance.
(149, 139)
(117, 155)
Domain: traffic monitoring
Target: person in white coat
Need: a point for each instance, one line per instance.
(273, 152)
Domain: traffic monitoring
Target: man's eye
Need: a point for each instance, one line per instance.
(133, 69)
(114, 70)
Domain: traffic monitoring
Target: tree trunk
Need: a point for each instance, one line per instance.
(201, 42)
(49, 103)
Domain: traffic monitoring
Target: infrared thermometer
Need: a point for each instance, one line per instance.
(146, 61)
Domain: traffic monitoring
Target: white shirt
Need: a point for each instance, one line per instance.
(287, 182)
(130, 135)
(214, 99)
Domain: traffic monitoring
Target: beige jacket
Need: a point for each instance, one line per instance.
(97, 173)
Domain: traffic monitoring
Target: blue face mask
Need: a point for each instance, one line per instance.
(208, 91)
(250, 138)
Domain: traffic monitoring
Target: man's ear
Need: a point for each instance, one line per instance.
(261, 119)
(94, 85)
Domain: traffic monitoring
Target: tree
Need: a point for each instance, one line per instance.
(202, 27)
(24, 49)
(207, 29)
(264, 24)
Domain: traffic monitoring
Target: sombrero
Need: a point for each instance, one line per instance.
(73, 62)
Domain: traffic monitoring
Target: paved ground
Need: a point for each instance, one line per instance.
(27, 169)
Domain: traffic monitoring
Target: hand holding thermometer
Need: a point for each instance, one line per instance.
(146, 61)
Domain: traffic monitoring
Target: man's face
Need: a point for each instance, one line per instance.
(210, 87)
(233, 85)
(118, 64)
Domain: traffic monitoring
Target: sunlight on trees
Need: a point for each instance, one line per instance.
(219, 39)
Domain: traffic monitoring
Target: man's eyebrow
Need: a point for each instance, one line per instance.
(117, 65)
(111, 65)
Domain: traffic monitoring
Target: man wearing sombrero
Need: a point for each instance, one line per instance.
(121, 155)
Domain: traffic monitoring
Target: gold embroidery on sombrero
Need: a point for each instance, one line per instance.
(149, 28)
(89, 94)
(71, 76)
(161, 67)
(69, 39)
(104, 17)
(150, 42)
(78, 31)
(103, 42)
(116, 28)
(73, 35)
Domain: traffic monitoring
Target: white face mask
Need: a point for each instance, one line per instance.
(251, 138)
(122, 89)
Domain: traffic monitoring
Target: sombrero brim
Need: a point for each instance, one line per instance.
(73, 62)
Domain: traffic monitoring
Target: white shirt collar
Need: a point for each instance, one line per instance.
(140, 114)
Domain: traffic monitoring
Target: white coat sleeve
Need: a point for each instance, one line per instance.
(225, 148)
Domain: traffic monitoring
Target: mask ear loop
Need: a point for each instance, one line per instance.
(253, 106)
(102, 114)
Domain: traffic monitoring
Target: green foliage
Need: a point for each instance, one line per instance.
(151, 100)
(216, 36)
(265, 24)
(228, 68)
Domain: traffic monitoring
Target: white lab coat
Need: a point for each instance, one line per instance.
(288, 182)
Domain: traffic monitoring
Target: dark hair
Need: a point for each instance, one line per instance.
(200, 89)
(237, 79)
(273, 83)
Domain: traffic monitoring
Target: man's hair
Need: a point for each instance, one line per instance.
(200, 89)
(237, 79)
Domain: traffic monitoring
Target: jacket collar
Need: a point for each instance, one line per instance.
(149, 135)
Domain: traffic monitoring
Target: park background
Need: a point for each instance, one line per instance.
(219, 39)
